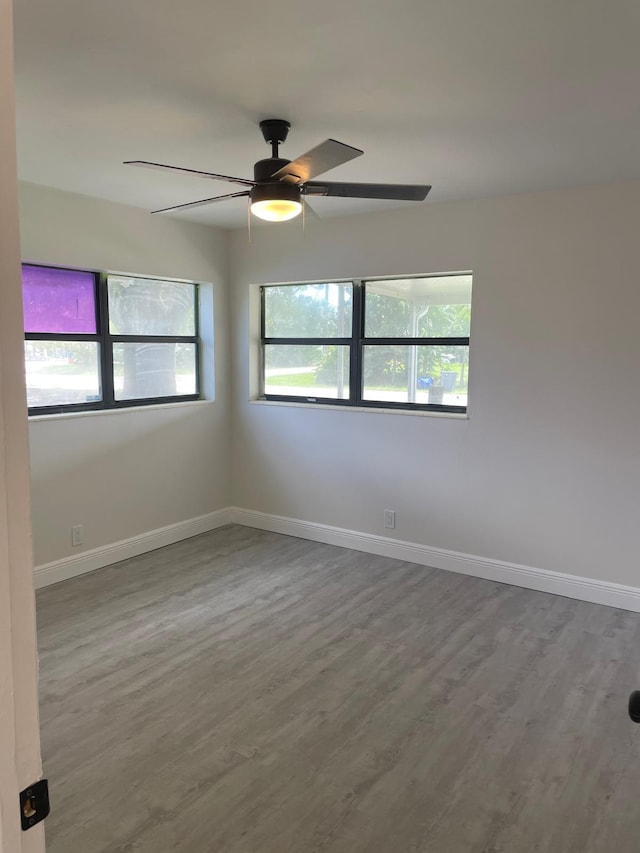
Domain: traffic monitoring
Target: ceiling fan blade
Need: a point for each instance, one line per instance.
(201, 202)
(320, 159)
(398, 192)
(212, 175)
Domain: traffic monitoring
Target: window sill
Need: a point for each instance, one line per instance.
(60, 416)
(421, 413)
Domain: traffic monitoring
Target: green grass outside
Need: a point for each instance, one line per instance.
(65, 370)
(308, 380)
(297, 380)
(79, 369)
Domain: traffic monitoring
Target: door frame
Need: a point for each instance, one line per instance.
(20, 762)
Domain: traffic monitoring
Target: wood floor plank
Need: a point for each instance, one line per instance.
(246, 692)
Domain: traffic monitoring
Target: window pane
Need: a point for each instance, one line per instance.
(142, 370)
(58, 301)
(307, 371)
(434, 307)
(60, 373)
(416, 374)
(144, 306)
(308, 311)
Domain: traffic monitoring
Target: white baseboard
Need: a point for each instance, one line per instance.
(542, 580)
(97, 558)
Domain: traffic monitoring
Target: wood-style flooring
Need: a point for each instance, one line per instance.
(246, 692)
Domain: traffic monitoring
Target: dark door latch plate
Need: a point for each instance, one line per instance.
(34, 804)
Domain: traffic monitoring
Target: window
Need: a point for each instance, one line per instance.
(385, 343)
(98, 341)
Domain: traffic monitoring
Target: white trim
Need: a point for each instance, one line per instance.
(421, 413)
(97, 558)
(542, 580)
(121, 410)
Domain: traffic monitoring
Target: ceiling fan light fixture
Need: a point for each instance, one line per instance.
(276, 210)
(276, 202)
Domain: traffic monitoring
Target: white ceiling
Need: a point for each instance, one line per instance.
(477, 97)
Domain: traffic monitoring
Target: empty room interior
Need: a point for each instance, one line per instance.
(322, 331)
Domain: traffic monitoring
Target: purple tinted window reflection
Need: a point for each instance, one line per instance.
(61, 301)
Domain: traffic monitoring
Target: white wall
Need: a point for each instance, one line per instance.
(125, 473)
(19, 735)
(543, 473)
(546, 470)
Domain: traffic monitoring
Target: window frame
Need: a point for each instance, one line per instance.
(356, 343)
(105, 340)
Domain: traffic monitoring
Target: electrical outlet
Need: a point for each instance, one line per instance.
(77, 535)
(390, 519)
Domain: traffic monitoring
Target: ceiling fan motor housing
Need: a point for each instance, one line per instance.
(265, 188)
(264, 170)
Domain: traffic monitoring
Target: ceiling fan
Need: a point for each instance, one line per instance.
(279, 186)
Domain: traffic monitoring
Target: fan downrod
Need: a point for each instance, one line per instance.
(275, 131)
